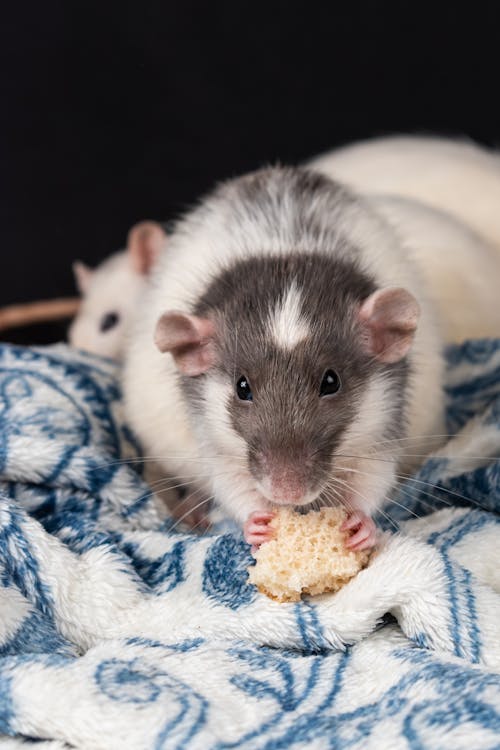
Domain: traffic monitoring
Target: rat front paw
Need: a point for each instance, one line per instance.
(364, 531)
(256, 529)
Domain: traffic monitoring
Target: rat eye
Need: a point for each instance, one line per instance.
(108, 321)
(330, 383)
(243, 389)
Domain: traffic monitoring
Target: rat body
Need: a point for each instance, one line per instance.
(455, 176)
(291, 338)
(111, 292)
(460, 269)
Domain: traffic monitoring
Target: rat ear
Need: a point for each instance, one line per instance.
(189, 339)
(145, 242)
(83, 275)
(389, 318)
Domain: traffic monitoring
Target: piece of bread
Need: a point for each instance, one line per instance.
(306, 556)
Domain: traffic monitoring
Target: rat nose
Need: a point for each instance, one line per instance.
(282, 481)
(287, 485)
(285, 475)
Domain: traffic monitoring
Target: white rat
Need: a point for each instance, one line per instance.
(111, 292)
(290, 338)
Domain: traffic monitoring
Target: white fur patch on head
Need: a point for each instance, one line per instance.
(287, 325)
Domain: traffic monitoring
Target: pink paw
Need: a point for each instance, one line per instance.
(256, 529)
(364, 531)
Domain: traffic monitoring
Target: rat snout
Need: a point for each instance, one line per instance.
(284, 481)
(287, 485)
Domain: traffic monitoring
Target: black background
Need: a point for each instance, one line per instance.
(113, 113)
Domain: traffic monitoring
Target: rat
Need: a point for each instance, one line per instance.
(111, 292)
(289, 342)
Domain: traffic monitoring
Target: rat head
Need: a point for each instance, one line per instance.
(110, 292)
(291, 365)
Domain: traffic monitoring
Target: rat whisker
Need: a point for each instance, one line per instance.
(405, 478)
(470, 500)
(389, 499)
(404, 507)
(156, 488)
(408, 478)
(177, 456)
(205, 501)
(206, 529)
(388, 518)
(417, 455)
(331, 494)
(448, 456)
(400, 487)
(414, 439)
(351, 489)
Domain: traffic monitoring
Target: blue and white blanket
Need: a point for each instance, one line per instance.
(117, 631)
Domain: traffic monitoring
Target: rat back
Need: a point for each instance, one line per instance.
(460, 268)
(442, 196)
(455, 176)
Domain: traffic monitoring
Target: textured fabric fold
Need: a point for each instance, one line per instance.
(119, 631)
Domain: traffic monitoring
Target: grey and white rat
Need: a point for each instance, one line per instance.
(288, 343)
(111, 292)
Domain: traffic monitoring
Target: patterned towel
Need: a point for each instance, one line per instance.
(117, 631)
